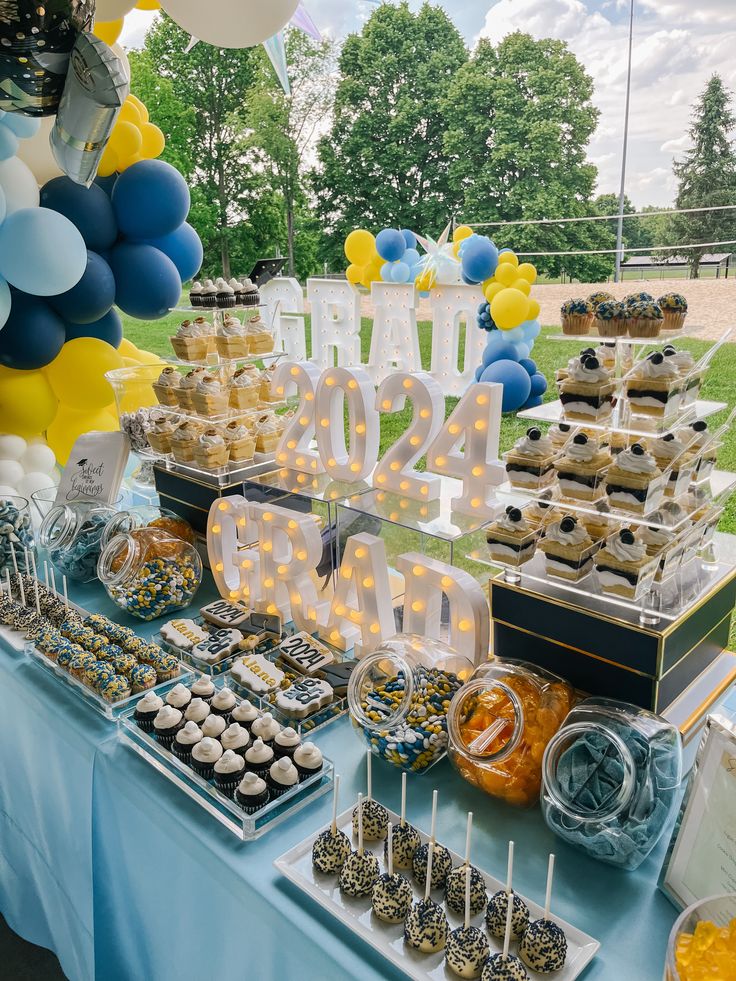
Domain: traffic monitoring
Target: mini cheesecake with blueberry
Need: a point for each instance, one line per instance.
(561, 434)
(634, 482)
(705, 450)
(654, 387)
(689, 372)
(587, 393)
(623, 566)
(671, 454)
(568, 549)
(581, 468)
(529, 463)
(511, 538)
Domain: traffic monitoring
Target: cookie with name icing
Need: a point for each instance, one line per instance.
(218, 645)
(224, 614)
(304, 697)
(257, 674)
(184, 634)
(304, 654)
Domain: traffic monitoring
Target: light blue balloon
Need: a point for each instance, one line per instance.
(533, 328)
(522, 350)
(24, 127)
(386, 272)
(400, 272)
(409, 237)
(41, 252)
(3, 205)
(8, 143)
(411, 257)
(416, 272)
(5, 302)
(496, 338)
(425, 294)
(516, 335)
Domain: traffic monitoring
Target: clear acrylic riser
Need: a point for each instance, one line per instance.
(721, 483)
(319, 488)
(110, 710)
(232, 414)
(638, 426)
(238, 308)
(223, 809)
(666, 601)
(233, 473)
(213, 360)
(664, 336)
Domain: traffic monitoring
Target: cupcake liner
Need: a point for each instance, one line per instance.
(227, 783)
(576, 323)
(276, 790)
(260, 769)
(674, 319)
(204, 770)
(304, 773)
(611, 328)
(166, 736)
(183, 753)
(280, 751)
(225, 301)
(251, 804)
(144, 724)
(209, 301)
(643, 327)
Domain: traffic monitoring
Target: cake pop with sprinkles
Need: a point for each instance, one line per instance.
(496, 912)
(360, 869)
(375, 815)
(543, 947)
(442, 864)
(455, 886)
(331, 848)
(425, 926)
(405, 838)
(505, 966)
(467, 948)
(392, 894)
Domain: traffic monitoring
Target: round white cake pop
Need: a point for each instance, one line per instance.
(10, 472)
(38, 459)
(32, 482)
(12, 447)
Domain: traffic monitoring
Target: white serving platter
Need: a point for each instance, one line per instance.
(388, 939)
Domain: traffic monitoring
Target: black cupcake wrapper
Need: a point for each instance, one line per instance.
(305, 774)
(204, 770)
(281, 751)
(260, 770)
(146, 725)
(277, 789)
(252, 804)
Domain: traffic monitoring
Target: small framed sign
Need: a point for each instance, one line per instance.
(701, 858)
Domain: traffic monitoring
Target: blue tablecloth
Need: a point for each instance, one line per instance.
(126, 879)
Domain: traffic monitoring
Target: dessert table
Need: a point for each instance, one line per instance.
(123, 876)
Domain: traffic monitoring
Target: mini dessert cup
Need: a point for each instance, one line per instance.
(232, 347)
(577, 316)
(268, 433)
(165, 388)
(529, 464)
(241, 442)
(511, 540)
(245, 390)
(623, 566)
(183, 441)
(663, 546)
(671, 455)
(160, 433)
(587, 393)
(568, 549)
(260, 338)
(654, 387)
(634, 482)
(210, 450)
(189, 343)
(187, 387)
(581, 468)
(210, 398)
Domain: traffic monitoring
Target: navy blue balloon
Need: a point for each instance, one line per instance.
(184, 247)
(88, 208)
(468, 281)
(391, 244)
(91, 298)
(532, 402)
(147, 283)
(409, 238)
(539, 384)
(108, 328)
(498, 352)
(33, 334)
(151, 199)
(516, 383)
(530, 365)
(107, 183)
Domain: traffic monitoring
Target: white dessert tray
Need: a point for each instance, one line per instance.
(16, 639)
(386, 938)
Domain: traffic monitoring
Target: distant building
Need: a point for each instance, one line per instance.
(720, 262)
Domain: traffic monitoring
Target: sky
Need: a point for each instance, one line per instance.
(678, 44)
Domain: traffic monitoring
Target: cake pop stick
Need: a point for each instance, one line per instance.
(33, 566)
(550, 876)
(433, 826)
(403, 798)
(509, 918)
(25, 559)
(66, 599)
(46, 573)
(8, 583)
(335, 789)
(14, 558)
(510, 868)
(430, 858)
(22, 591)
(369, 777)
(38, 601)
(467, 895)
(390, 854)
(468, 833)
(53, 580)
(360, 825)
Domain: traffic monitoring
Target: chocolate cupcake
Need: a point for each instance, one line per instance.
(214, 726)
(179, 697)
(225, 296)
(258, 758)
(245, 714)
(146, 711)
(235, 738)
(282, 777)
(223, 702)
(185, 740)
(308, 760)
(167, 723)
(252, 793)
(286, 742)
(204, 756)
(229, 770)
(203, 688)
(195, 295)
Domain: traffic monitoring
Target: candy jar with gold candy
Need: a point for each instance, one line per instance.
(150, 573)
(399, 697)
(499, 724)
(702, 944)
(148, 516)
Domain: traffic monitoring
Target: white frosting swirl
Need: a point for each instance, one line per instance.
(245, 712)
(505, 523)
(235, 431)
(213, 726)
(626, 551)
(209, 386)
(189, 329)
(223, 699)
(234, 737)
(288, 737)
(211, 438)
(650, 369)
(251, 785)
(582, 452)
(245, 379)
(259, 752)
(232, 327)
(202, 686)
(189, 735)
(191, 380)
(197, 710)
(284, 772)
(635, 462)
(580, 372)
(656, 537)
(151, 702)
(169, 378)
(179, 696)
(229, 762)
(167, 718)
(577, 536)
(309, 756)
(534, 447)
(666, 449)
(207, 751)
(266, 727)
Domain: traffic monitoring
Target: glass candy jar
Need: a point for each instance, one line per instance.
(500, 723)
(16, 534)
(611, 776)
(399, 696)
(72, 536)
(150, 573)
(702, 944)
(148, 516)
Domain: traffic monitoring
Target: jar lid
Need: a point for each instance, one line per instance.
(486, 720)
(117, 560)
(58, 527)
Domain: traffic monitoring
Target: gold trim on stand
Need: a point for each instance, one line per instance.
(661, 675)
(188, 504)
(696, 717)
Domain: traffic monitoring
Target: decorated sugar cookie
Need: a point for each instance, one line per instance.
(257, 673)
(184, 634)
(303, 698)
(219, 644)
(305, 654)
(224, 614)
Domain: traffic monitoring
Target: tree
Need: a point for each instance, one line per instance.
(384, 162)
(283, 134)
(520, 116)
(637, 232)
(707, 175)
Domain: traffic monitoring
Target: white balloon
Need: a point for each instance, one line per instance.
(112, 9)
(11, 473)
(119, 51)
(231, 23)
(38, 458)
(19, 184)
(6, 491)
(32, 482)
(37, 154)
(12, 447)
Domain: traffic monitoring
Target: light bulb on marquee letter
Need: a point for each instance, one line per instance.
(290, 549)
(336, 387)
(335, 306)
(427, 580)
(475, 425)
(293, 451)
(234, 566)
(394, 335)
(395, 471)
(361, 614)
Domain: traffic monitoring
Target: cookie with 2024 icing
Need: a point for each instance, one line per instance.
(224, 614)
(184, 634)
(304, 654)
(305, 697)
(218, 645)
(257, 673)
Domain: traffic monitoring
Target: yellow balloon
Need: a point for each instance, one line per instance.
(126, 141)
(461, 233)
(148, 5)
(523, 285)
(509, 309)
(533, 309)
(140, 106)
(138, 395)
(27, 402)
(109, 163)
(69, 424)
(108, 30)
(127, 349)
(147, 357)
(528, 272)
(456, 249)
(136, 158)
(153, 141)
(508, 257)
(360, 247)
(505, 274)
(355, 274)
(130, 113)
(491, 290)
(77, 374)
(426, 280)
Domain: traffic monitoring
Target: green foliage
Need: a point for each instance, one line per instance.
(707, 175)
(383, 161)
(637, 232)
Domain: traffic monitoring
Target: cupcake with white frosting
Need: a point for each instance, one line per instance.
(259, 757)
(167, 723)
(252, 793)
(210, 397)
(197, 711)
(147, 709)
(623, 565)
(214, 726)
(282, 777)
(195, 294)
(308, 760)
(286, 742)
(245, 388)
(235, 738)
(223, 702)
(185, 741)
(228, 772)
(204, 756)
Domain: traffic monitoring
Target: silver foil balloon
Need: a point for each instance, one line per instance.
(96, 87)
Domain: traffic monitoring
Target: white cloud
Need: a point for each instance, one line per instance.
(675, 146)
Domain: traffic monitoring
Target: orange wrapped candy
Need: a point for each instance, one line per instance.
(499, 726)
(708, 953)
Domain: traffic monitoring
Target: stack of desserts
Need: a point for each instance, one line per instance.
(637, 315)
(232, 338)
(224, 295)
